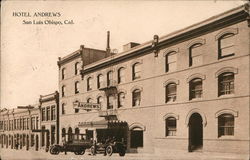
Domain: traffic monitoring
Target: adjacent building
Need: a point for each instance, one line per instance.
(186, 91)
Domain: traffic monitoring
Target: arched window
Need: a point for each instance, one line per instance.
(195, 88)
(195, 55)
(226, 45)
(136, 70)
(109, 78)
(99, 80)
(77, 132)
(110, 102)
(70, 135)
(121, 99)
(225, 125)
(77, 88)
(63, 108)
(63, 132)
(226, 83)
(121, 75)
(136, 97)
(63, 90)
(170, 59)
(89, 100)
(170, 126)
(76, 109)
(100, 100)
(89, 84)
(63, 73)
(77, 68)
(170, 92)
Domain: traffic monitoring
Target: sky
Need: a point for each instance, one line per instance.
(29, 52)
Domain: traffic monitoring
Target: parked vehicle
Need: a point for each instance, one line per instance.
(109, 147)
(78, 146)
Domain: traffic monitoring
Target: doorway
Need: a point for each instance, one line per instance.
(195, 133)
(136, 138)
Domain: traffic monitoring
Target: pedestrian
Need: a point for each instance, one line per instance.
(64, 145)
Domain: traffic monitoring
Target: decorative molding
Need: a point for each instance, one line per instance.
(137, 125)
(136, 87)
(226, 111)
(170, 115)
(196, 110)
(170, 50)
(196, 41)
(196, 75)
(122, 90)
(226, 69)
(172, 80)
(140, 61)
(100, 95)
(226, 31)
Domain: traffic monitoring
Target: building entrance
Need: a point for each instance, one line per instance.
(136, 138)
(195, 132)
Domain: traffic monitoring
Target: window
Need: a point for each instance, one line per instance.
(226, 83)
(121, 99)
(109, 78)
(136, 100)
(28, 123)
(170, 126)
(170, 92)
(43, 136)
(48, 113)
(195, 88)
(76, 109)
(99, 80)
(63, 91)
(77, 87)
(100, 101)
(170, 59)
(226, 45)
(195, 55)
(53, 133)
(136, 70)
(43, 114)
(77, 68)
(89, 100)
(63, 73)
(226, 125)
(53, 113)
(110, 101)
(37, 122)
(33, 123)
(136, 138)
(63, 108)
(89, 84)
(121, 75)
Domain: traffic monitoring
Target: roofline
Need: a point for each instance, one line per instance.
(227, 18)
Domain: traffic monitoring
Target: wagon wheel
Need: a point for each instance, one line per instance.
(122, 152)
(109, 150)
(76, 153)
(81, 152)
(54, 150)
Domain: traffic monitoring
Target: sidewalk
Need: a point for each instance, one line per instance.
(8, 154)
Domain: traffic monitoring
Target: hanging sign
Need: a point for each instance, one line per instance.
(86, 106)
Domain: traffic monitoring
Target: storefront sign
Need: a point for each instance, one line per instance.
(86, 106)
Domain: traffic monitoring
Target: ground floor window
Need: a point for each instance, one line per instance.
(170, 126)
(226, 125)
(136, 138)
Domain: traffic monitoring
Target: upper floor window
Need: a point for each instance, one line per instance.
(63, 108)
(109, 78)
(136, 98)
(89, 84)
(170, 126)
(195, 55)
(121, 75)
(48, 113)
(77, 87)
(226, 125)
(110, 101)
(171, 92)
(121, 99)
(226, 45)
(53, 113)
(89, 100)
(43, 114)
(99, 80)
(226, 83)
(195, 88)
(170, 59)
(77, 68)
(63, 91)
(100, 100)
(136, 70)
(63, 73)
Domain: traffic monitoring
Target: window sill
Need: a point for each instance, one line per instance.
(195, 99)
(226, 96)
(226, 137)
(170, 102)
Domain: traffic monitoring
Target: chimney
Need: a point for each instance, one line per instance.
(130, 45)
(108, 47)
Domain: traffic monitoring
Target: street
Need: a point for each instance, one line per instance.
(42, 155)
